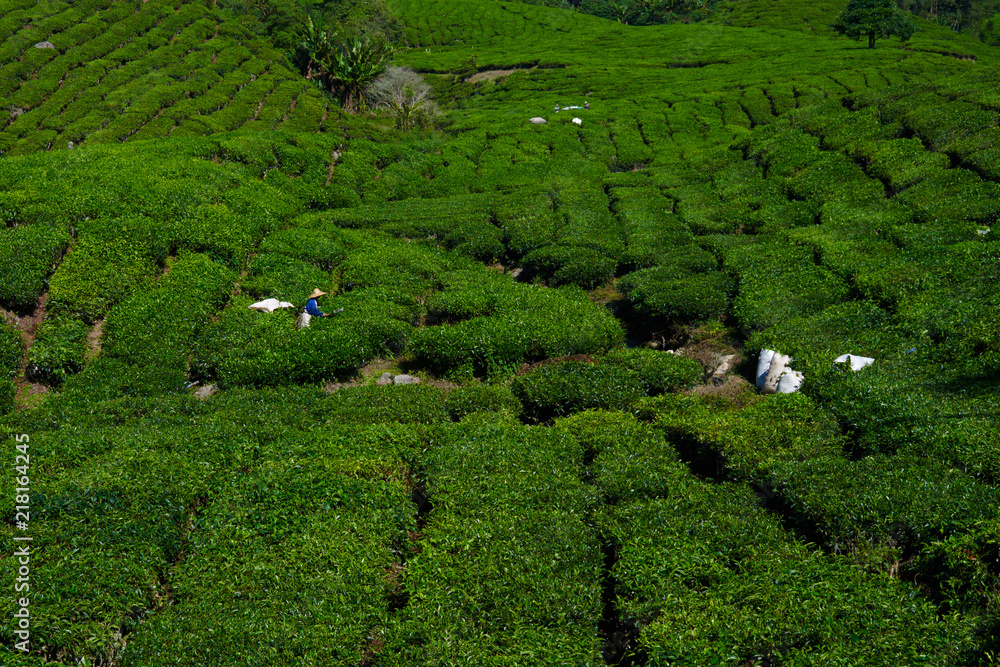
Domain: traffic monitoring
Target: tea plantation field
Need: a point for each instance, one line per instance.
(583, 475)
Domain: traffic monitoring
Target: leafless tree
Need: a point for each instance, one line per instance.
(405, 94)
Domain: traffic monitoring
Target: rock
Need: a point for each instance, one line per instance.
(70, 146)
(537, 121)
(45, 45)
(405, 379)
(725, 362)
(384, 380)
(516, 272)
(578, 121)
(206, 391)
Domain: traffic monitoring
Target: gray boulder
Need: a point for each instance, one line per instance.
(385, 379)
(405, 379)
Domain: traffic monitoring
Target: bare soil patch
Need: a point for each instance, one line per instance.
(94, 341)
(28, 326)
(491, 74)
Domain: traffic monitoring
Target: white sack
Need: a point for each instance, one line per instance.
(789, 382)
(856, 362)
(763, 366)
(778, 364)
(269, 305)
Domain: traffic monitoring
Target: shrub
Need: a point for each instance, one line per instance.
(372, 404)
(568, 265)
(271, 275)
(881, 509)
(657, 371)
(464, 401)
(557, 390)
(524, 323)
(58, 350)
(745, 443)
(98, 273)
(705, 553)
(675, 295)
(28, 254)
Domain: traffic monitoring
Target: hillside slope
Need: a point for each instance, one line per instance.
(212, 486)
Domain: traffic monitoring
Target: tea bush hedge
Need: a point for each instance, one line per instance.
(566, 265)
(673, 294)
(59, 349)
(524, 323)
(882, 509)
(508, 569)
(745, 443)
(657, 371)
(237, 581)
(11, 351)
(706, 576)
(98, 273)
(28, 254)
(561, 389)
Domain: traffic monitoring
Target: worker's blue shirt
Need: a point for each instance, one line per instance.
(313, 308)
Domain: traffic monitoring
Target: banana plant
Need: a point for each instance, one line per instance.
(351, 66)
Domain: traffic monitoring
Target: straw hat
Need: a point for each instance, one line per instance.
(316, 292)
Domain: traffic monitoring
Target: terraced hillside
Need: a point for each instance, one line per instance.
(211, 486)
(120, 71)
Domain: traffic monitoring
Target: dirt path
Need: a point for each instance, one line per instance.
(28, 326)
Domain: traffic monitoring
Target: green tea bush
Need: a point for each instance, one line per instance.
(59, 349)
(699, 569)
(339, 528)
(11, 351)
(561, 389)
(389, 263)
(464, 401)
(780, 280)
(98, 273)
(814, 341)
(567, 265)
(882, 509)
(250, 348)
(631, 460)
(523, 323)
(745, 443)
(394, 404)
(508, 569)
(28, 255)
(673, 294)
(657, 371)
(273, 275)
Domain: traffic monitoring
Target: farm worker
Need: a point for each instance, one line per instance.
(557, 107)
(586, 105)
(312, 308)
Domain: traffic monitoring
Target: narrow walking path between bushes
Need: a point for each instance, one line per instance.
(28, 326)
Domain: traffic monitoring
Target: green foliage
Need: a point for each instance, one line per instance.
(59, 349)
(98, 273)
(697, 569)
(511, 323)
(658, 371)
(28, 254)
(566, 265)
(872, 19)
(508, 570)
(745, 443)
(481, 398)
(560, 389)
(882, 507)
